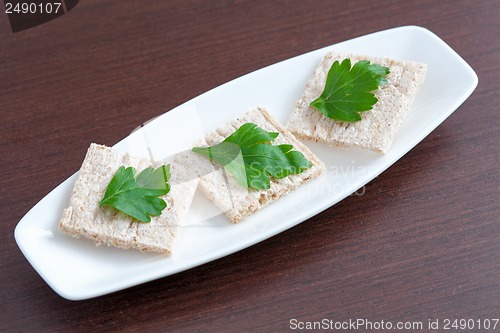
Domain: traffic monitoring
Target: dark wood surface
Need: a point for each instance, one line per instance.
(422, 243)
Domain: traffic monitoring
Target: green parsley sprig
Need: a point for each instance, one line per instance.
(349, 91)
(138, 196)
(249, 156)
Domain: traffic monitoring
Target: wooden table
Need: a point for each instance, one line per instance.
(422, 243)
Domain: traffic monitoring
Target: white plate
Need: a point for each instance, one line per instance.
(76, 269)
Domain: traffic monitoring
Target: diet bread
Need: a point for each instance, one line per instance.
(378, 127)
(105, 225)
(238, 202)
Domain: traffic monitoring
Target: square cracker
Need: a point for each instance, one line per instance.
(233, 199)
(105, 225)
(378, 127)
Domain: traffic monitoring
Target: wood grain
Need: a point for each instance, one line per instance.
(422, 243)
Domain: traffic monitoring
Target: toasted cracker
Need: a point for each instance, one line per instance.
(105, 225)
(378, 127)
(238, 202)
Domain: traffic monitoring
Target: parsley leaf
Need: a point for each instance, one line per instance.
(348, 91)
(250, 157)
(137, 196)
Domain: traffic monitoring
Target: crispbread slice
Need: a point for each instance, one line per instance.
(84, 217)
(238, 202)
(378, 127)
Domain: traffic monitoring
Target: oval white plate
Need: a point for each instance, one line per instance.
(76, 269)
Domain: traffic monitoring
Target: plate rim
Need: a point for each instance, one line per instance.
(75, 295)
